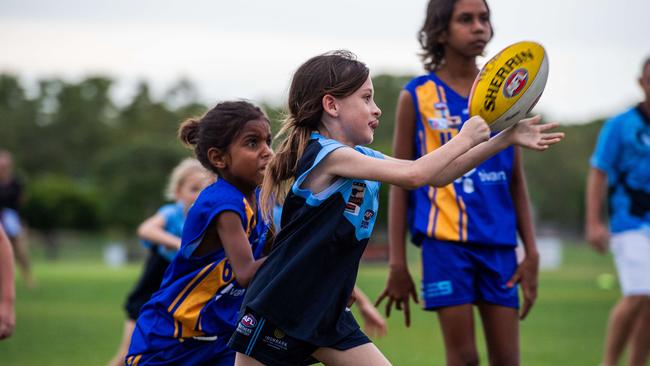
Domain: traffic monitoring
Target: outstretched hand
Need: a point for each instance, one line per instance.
(531, 134)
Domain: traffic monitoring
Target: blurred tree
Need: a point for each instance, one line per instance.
(124, 154)
(57, 202)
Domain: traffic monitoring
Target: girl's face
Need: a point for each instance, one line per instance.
(359, 115)
(192, 185)
(469, 28)
(248, 155)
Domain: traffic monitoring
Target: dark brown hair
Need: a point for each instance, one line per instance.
(337, 73)
(217, 128)
(436, 23)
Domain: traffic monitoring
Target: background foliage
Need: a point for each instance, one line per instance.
(111, 161)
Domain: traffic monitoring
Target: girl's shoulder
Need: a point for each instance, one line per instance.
(216, 198)
(420, 80)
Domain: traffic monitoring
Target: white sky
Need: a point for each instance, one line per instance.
(249, 48)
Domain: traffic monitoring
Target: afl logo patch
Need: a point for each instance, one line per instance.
(278, 333)
(515, 83)
(248, 321)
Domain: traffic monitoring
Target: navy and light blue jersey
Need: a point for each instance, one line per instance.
(477, 207)
(304, 285)
(199, 297)
(174, 214)
(623, 152)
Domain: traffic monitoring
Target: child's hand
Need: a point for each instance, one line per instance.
(597, 236)
(7, 319)
(526, 275)
(529, 133)
(475, 130)
(373, 323)
(399, 290)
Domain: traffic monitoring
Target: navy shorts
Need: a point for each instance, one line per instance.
(261, 340)
(462, 273)
(149, 282)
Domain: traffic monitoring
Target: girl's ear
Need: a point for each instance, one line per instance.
(217, 158)
(330, 105)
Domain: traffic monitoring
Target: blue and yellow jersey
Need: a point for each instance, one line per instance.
(478, 206)
(199, 297)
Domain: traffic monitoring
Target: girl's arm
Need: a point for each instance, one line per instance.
(528, 270)
(527, 133)
(347, 162)
(373, 324)
(7, 290)
(400, 286)
(153, 230)
(431, 168)
(238, 249)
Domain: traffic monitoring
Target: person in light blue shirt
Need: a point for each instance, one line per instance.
(621, 163)
(161, 235)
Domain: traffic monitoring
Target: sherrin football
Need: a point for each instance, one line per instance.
(509, 85)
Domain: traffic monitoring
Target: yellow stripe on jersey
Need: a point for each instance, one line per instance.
(133, 360)
(188, 311)
(251, 219)
(189, 285)
(432, 210)
(136, 360)
(464, 219)
(445, 211)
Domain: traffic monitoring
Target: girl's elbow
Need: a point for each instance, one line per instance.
(142, 230)
(244, 279)
(413, 180)
(244, 276)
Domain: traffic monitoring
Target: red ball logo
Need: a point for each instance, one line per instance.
(515, 83)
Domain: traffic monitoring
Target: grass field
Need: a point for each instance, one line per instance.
(74, 316)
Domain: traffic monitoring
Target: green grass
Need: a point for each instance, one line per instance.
(74, 316)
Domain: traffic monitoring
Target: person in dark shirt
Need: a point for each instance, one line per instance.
(11, 197)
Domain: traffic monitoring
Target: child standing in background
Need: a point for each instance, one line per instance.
(161, 234)
(467, 230)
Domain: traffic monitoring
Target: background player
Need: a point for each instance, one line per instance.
(7, 289)
(11, 198)
(467, 230)
(162, 235)
(621, 162)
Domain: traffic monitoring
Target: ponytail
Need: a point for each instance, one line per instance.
(280, 172)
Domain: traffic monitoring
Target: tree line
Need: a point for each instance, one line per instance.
(91, 164)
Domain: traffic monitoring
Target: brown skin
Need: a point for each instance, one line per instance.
(242, 164)
(468, 33)
(7, 289)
